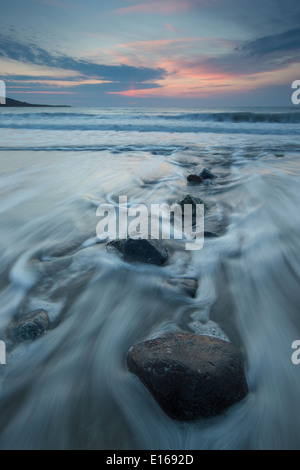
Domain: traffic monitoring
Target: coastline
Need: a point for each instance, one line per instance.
(55, 174)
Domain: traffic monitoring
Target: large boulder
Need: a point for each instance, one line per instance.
(190, 376)
(142, 250)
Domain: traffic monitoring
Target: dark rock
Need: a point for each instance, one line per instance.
(144, 251)
(206, 174)
(193, 201)
(187, 286)
(194, 179)
(29, 327)
(208, 234)
(190, 376)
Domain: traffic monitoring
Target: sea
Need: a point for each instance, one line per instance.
(71, 388)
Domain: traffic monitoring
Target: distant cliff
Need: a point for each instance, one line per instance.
(15, 103)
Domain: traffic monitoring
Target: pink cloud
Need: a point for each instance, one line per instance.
(175, 46)
(143, 93)
(159, 44)
(170, 27)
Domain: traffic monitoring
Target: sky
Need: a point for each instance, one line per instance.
(150, 53)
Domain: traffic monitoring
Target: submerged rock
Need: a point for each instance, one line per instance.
(190, 376)
(187, 286)
(206, 174)
(144, 251)
(193, 201)
(195, 179)
(208, 234)
(30, 326)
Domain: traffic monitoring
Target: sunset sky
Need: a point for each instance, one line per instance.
(150, 53)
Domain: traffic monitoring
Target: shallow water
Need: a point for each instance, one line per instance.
(71, 388)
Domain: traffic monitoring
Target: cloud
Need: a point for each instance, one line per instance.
(170, 27)
(266, 54)
(160, 51)
(268, 16)
(272, 52)
(287, 42)
(122, 75)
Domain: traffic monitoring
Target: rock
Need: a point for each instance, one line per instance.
(190, 376)
(206, 174)
(208, 234)
(194, 179)
(144, 251)
(187, 286)
(193, 201)
(30, 326)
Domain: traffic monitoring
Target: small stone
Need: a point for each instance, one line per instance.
(190, 376)
(206, 174)
(30, 326)
(142, 250)
(195, 179)
(193, 201)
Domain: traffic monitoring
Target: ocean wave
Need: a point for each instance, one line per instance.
(215, 128)
(250, 117)
(49, 114)
(156, 150)
(238, 117)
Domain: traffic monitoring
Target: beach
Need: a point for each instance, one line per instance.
(71, 387)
